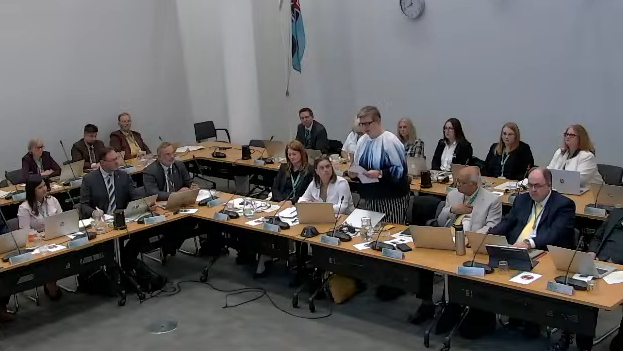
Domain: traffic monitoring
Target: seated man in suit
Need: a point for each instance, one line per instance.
(310, 133)
(127, 140)
(106, 190)
(478, 210)
(88, 148)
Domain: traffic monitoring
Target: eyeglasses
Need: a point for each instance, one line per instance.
(508, 134)
(40, 147)
(569, 135)
(365, 124)
(448, 128)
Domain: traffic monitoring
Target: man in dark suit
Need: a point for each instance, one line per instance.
(165, 175)
(88, 148)
(311, 133)
(540, 218)
(127, 140)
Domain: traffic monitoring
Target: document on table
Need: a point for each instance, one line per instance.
(289, 212)
(188, 211)
(204, 194)
(360, 171)
(614, 277)
(3, 193)
(189, 148)
(525, 278)
(506, 185)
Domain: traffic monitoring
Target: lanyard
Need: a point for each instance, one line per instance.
(295, 182)
(536, 217)
(503, 162)
(472, 198)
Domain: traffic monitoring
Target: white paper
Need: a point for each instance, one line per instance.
(108, 218)
(362, 246)
(360, 171)
(506, 185)
(189, 211)
(74, 235)
(85, 222)
(291, 221)
(255, 222)
(51, 248)
(402, 235)
(204, 194)
(3, 193)
(400, 240)
(525, 278)
(582, 277)
(614, 277)
(289, 212)
(272, 208)
(189, 148)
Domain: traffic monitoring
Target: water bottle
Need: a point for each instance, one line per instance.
(367, 232)
(98, 222)
(459, 240)
(39, 243)
(248, 211)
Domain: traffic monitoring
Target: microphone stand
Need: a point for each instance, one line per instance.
(487, 268)
(575, 283)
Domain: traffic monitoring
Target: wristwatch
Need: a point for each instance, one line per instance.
(527, 242)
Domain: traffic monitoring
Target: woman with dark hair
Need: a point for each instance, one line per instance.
(31, 214)
(294, 176)
(452, 148)
(329, 187)
(510, 157)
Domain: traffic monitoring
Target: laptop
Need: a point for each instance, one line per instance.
(61, 224)
(273, 148)
(312, 155)
(7, 244)
(439, 238)
(583, 262)
(607, 196)
(315, 212)
(71, 171)
(567, 182)
(476, 241)
(354, 219)
(139, 207)
(181, 199)
(415, 166)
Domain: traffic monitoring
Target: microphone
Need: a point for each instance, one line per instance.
(231, 214)
(68, 162)
(575, 283)
(275, 219)
(267, 160)
(379, 246)
(205, 201)
(339, 234)
(599, 191)
(218, 154)
(487, 268)
(141, 219)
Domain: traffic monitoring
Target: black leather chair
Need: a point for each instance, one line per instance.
(15, 177)
(206, 130)
(424, 209)
(611, 174)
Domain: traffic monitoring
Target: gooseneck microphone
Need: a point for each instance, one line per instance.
(68, 160)
(575, 283)
(472, 263)
(205, 201)
(267, 160)
(379, 246)
(230, 214)
(338, 233)
(275, 219)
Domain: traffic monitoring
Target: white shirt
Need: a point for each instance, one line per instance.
(536, 223)
(350, 145)
(447, 156)
(166, 176)
(335, 191)
(310, 127)
(27, 219)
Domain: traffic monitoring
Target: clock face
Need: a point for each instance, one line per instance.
(413, 9)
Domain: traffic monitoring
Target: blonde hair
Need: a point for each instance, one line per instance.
(371, 111)
(512, 126)
(584, 142)
(34, 142)
(356, 129)
(410, 128)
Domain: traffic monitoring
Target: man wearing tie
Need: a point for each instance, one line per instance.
(310, 133)
(88, 148)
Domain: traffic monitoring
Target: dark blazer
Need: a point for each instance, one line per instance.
(555, 226)
(282, 185)
(155, 182)
(606, 243)
(79, 152)
(94, 193)
(29, 166)
(119, 142)
(517, 165)
(318, 138)
(462, 153)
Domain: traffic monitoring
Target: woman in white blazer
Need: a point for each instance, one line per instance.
(329, 187)
(577, 153)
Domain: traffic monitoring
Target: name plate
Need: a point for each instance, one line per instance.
(560, 288)
(75, 183)
(154, 220)
(470, 271)
(330, 240)
(449, 189)
(21, 258)
(19, 197)
(214, 202)
(129, 169)
(77, 242)
(594, 211)
(395, 254)
(259, 162)
(271, 227)
(221, 216)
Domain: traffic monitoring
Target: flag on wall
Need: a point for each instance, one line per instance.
(298, 35)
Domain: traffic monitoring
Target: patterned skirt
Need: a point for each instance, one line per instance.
(395, 209)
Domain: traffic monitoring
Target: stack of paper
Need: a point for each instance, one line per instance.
(189, 148)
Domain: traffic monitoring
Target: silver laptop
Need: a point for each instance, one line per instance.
(61, 224)
(439, 238)
(139, 207)
(583, 262)
(7, 244)
(567, 182)
(72, 171)
(416, 165)
(182, 199)
(475, 241)
(273, 148)
(354, 219)
(315, 212)
(607, 195)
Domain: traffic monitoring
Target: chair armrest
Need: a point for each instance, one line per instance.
(226, 132)
(432, 223)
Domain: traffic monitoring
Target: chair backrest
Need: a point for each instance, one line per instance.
(257, 143)
(4, 183)
(204, 130)
(13, 224)
(335, 147)
(424, 209)
(15, 177)
(140, 192)
(611, 174)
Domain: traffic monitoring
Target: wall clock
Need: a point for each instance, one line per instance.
(413, 9)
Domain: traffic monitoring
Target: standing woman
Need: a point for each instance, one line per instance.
(381, 154)
(294, 176)
(38, 161)
(510, 157)
(452, 148)
(414, 147)
(577, 153)
(32, 212)
(329, 187)
(350, 145)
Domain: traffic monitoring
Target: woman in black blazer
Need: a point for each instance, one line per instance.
(510, 157)
(37, 161)
(453, 148)
(296, 174)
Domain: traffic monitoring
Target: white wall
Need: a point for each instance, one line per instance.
(66, 63)
(542, 64)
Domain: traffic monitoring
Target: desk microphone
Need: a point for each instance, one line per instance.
(267, 160)
(68, 162)
(205, 201)
(231, 214)
(575, 283)
(218, 154)
(275, 219)
(141, 219)
(487, 268)
(339, 234)
(379, 246)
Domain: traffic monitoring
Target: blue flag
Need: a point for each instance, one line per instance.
(298, 35)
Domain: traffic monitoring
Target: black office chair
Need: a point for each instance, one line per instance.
(611, 174)
(424, 209)
(15, 177)
(335, 147)
(4, 183)
(205, 130)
